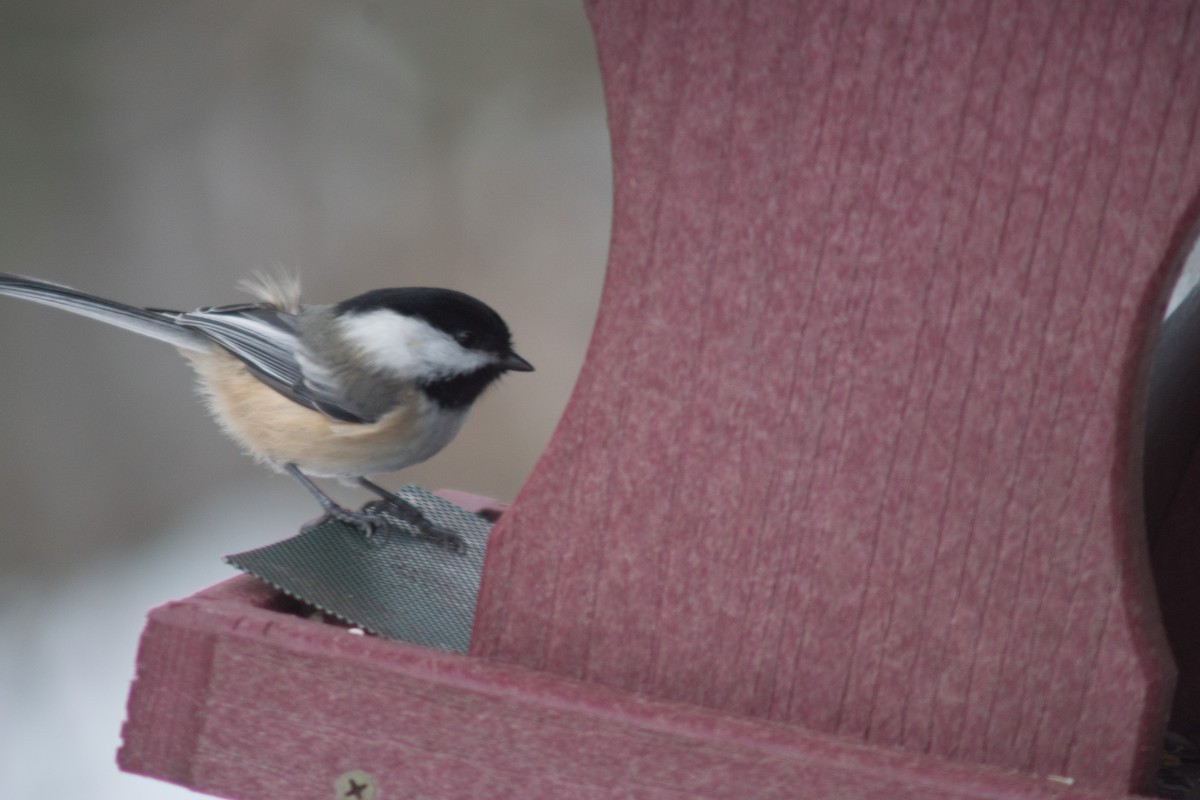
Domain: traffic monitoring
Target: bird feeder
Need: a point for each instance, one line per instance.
(847, 501)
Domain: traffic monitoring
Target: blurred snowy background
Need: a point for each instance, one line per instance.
(157, 152)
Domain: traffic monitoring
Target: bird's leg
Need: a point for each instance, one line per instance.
(365, 522)
(407, 512)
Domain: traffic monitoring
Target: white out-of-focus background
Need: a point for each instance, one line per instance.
(155, 153)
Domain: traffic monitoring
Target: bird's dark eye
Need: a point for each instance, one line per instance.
(465, 338)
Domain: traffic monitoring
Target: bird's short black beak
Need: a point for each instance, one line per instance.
(514, 363)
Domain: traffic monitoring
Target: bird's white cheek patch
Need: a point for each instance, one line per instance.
(386, 339)
(408, 346)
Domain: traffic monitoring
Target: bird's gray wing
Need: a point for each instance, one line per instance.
(266, 340)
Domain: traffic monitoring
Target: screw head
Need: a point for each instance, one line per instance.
(354, 785)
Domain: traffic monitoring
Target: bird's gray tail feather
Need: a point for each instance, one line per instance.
(139, 320)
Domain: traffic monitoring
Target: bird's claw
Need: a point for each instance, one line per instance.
(423, 526)
(379, 515)
(369, 524)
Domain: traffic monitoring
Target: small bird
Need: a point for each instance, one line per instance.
(375, 383)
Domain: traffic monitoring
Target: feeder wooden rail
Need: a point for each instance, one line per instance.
(248, 702)
(847, 499)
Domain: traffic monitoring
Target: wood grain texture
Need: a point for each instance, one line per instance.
(239, 701)
(856, 443)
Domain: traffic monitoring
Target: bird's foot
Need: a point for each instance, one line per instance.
(368, 522)
(396, 508)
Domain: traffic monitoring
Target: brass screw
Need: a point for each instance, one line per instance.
(354, 785)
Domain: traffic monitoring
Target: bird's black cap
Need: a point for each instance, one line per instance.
(473, 323)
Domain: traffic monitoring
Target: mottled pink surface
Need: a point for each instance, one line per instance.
(239, 701)
(854, 444)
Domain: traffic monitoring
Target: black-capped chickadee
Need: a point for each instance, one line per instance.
(373, 384)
